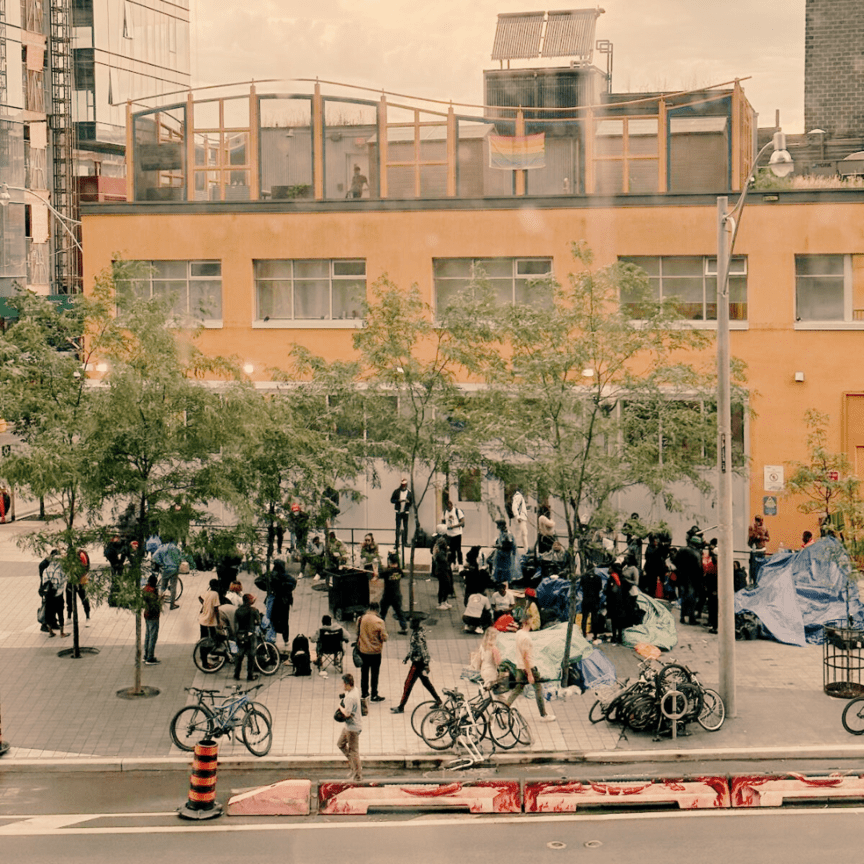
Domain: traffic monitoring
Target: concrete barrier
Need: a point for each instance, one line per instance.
(287, 798)
(475, 796)
(550, 796)
(773, 790)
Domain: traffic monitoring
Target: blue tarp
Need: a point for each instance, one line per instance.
(800, 592)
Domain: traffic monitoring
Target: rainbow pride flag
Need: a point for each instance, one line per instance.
(517, 152)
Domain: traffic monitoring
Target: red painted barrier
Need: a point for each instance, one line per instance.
(567, 797)
(476, 796)
(288, 798)
(772, 790)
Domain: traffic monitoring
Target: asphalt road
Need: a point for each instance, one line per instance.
(788, 836)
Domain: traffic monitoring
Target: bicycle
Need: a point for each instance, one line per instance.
(853, 716)
(210, 655)
(194, 723)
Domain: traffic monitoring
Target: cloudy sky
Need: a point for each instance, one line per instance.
(440, 48)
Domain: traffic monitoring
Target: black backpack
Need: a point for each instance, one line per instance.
(300, 659)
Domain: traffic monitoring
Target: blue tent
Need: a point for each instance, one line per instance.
(800, 592)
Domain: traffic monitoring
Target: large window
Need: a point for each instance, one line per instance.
(514, 280)
(692, 281)
(310, 290)
(194, 287)
(825, 288)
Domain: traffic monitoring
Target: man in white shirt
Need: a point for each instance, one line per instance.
(503, 601)
(454, 519)
(478, 613)
(526, 671)
(520, 514)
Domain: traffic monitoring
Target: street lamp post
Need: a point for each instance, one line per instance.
(727, 230)
(5, 198)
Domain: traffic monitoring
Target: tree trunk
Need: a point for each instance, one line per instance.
(571, 617)
(137, 688)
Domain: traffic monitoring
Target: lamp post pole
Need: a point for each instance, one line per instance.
(727, 229)
(725, 548)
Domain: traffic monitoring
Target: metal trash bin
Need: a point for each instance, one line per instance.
(349, 592)
(843, 660)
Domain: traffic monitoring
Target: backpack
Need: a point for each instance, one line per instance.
(300, 656)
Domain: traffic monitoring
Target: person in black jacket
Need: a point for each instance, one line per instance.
(246, 623)
(688, 570)
(402, 499)
(282, 585)
(615, 602)
(591, 585)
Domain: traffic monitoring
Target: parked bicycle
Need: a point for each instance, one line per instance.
(853, 716)
(209, 718)
(211, 654)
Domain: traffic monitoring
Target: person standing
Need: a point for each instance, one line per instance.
(208, 617)
(505, 554)
(441, 567)
(53, 590)
(591, 585)
(402, 499)
(358, 183)
(526, 671)
(520, 514)
(167, 558)
(757, 540)
(654, 569)
(489, 658)
(418, 654)
(371, 636)
(80, 589)
(349, 740)
(152, 612)
(615, 610)
(392, 597)
(281, 599)
(688, 571)
(454, 519)
(545, 530)
(246, 623)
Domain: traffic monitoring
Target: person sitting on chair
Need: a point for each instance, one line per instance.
(327, 631)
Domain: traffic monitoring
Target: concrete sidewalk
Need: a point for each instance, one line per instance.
(63, 710)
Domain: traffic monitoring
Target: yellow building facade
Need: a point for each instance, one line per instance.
(282, 263)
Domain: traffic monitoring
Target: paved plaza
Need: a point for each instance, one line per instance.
(57, 708)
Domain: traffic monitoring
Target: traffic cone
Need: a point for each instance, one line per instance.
(202, 802)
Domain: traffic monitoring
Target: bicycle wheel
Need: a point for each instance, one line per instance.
(437, 729)
(474, 728)
(521, 729)
(671, 675)
(215, 661)
(267, 658)
(420, 712)
(500, 726)
(179, 593)
(642, 712)
(597, 712)
(257, 733)
(713, 711)
(190, 725)
(853, 716)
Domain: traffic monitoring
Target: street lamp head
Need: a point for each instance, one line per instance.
(780, 163)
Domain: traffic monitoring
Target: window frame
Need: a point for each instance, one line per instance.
(515, 276)
(267, 322)
(849, 320)
(708, 272)
(150, 277)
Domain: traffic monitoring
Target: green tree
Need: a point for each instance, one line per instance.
(46, 398)
(408, 369)
(160, 425)
(591, 390)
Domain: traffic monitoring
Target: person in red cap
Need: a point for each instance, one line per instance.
(246, 622)
(298, 522)
(531, 613)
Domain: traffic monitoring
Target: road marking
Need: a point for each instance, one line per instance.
(65, 824)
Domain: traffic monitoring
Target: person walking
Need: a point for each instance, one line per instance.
(349, 739)
(246, 623)
(402, 499)
(526, 671)
(392, 597)
(454, 519)
(152, 612)
(167, 558)
(371, 636)
(418, 654)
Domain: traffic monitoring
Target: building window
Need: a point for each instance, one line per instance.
(522, 281)
(692, 281)
(825, 288)
(193, 287)
(310, 290)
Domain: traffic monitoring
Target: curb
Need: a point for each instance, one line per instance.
(297, 764)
